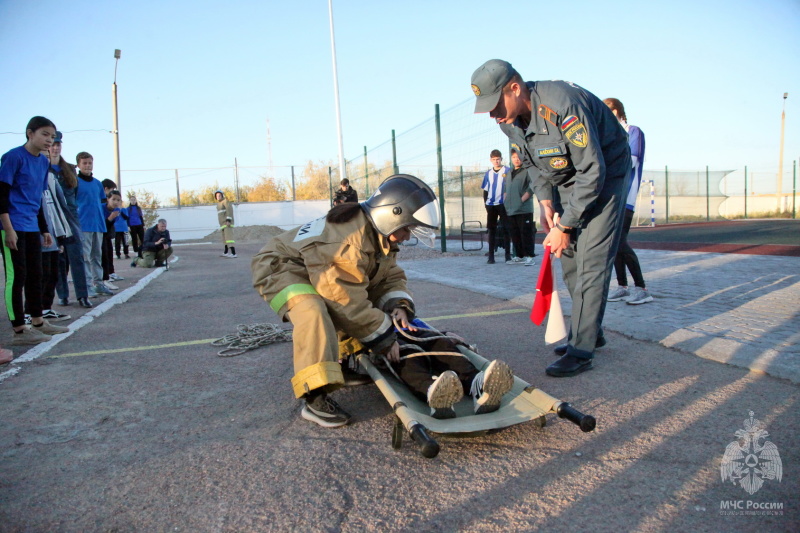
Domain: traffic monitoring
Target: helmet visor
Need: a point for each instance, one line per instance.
(428, 214)
(425, 236)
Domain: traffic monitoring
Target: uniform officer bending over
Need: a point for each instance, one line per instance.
(581, 164)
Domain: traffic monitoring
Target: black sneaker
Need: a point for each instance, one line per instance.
(53, 316)
(324, 411)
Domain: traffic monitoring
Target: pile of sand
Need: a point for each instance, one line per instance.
(247, 234)
(262, 235)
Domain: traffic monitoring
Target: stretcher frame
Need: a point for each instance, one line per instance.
(523, 403)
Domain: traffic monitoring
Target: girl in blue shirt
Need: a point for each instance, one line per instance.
(23, 178)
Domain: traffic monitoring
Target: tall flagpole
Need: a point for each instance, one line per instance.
(117, 54)
(779, 185)
(342, 170)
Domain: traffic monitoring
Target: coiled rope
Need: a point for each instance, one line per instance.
(251, 336)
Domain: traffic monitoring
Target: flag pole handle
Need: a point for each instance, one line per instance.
(587, 423)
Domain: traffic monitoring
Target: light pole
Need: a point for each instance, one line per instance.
(780, 162)
(115, 132)
(342, 170)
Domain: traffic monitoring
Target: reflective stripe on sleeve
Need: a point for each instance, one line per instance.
(290, 292)
(402, 295)
(378, 332)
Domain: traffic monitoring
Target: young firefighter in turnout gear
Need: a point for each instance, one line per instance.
(225, 217)
(580, 163)
(337, 277)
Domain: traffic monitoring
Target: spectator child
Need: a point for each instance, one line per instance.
(71, 259)
(23, 173)
(121, 236)
(90, 199)
(55, 207)
(112, 213)
(136, 225)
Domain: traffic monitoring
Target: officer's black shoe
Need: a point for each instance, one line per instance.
(84, 302)
(561, 349)
(491, 260)
(568, 366)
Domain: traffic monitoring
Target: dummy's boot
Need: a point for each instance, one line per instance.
(319, 408)
(489, 387)
(443, 394)
(352, 377)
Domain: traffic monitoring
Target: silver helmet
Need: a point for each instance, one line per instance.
(402, 201)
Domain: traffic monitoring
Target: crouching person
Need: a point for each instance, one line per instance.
(157, 247)
(339, 275)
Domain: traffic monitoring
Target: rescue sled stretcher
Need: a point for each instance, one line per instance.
(522, 403)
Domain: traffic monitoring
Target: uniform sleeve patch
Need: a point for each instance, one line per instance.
(575, 132)
(569, 121)
(558, 163)
(548, 151)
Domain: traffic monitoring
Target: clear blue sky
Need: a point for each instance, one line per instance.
(198, 80)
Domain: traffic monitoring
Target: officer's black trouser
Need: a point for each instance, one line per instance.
(587, 263)
(626, 257)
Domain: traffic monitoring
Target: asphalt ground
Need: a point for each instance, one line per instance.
(133, 423)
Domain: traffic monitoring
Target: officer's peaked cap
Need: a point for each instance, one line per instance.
(488, 82)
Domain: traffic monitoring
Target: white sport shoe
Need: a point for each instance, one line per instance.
(516, 261)
(115, 277)
(529, 261)
(490, 385)
(226, 254)
(232, 255)
(110, 286)
(443, 394)
(620, 293)
(638, 296)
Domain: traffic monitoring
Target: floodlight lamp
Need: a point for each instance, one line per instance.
(117, 53)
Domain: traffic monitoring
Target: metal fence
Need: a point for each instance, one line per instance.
(450, 152)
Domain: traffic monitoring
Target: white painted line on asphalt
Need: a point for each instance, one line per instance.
(86, 319)
(8, 374)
